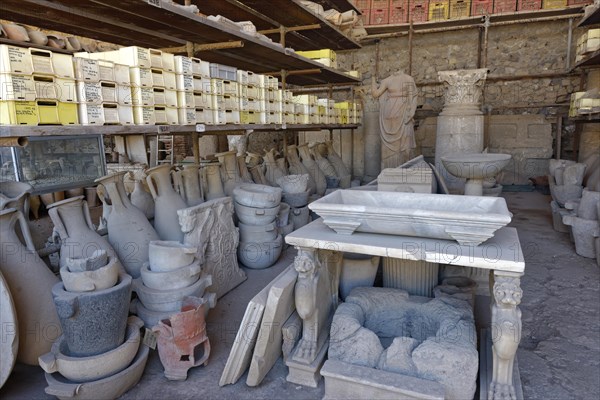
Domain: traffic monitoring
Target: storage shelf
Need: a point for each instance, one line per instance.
(591, 61)
(591, 19)
(592, 117)
(52, 130)
(524, 16)
(135, 22)
(270, 14)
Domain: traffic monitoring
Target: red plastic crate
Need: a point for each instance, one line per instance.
(363, 4)
(525, 5)
(380, 4)
(418, 11)
(505, 6)
(400, 3)
(366, 17)
(398, 15)
(482, 7)
(379, 17)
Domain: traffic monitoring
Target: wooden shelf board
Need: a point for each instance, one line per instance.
(591, 61)
(590, 19)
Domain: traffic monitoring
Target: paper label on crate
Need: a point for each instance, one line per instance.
(22, 87)
(17, 57)
(94, 112)
(92, 93)
(186, 65)
(163, 129)
(150, 338)
(89, 69)
(26, 108)
(188, 82)
(200, 128)
(124, 94)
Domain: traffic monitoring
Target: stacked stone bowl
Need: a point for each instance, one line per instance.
(296, 195)
(172, 273)
(258, 208)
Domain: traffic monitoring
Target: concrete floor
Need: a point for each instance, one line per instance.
(559, 356)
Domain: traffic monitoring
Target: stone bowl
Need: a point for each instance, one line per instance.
(169, 280)
(260, 255)
(167, 255)
(169, 300)
(85, 369)
(257, 196)
(293, 183)
(284, 214)
(563, 193)
(296, 199)
(87, 281)
(110, 387)
(255, 216)
(257, 233)
(477, 165)
(152, 318)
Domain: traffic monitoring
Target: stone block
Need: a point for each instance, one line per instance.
(291, 332)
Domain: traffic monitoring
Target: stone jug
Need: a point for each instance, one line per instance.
(273, 171)
(323, 163)
(297, 168)
(229, 171)
(73, 223)
(244, 173)
(340, 168)
(214, 187)
(188, 184)
(142, 199)
(313, 169)
(129, 231)
(258, 176)
(166, 203)
(30, 282)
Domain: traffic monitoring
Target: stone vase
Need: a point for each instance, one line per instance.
(166, 203)
(182, 339)
(16, 195)
(258, 175)
(30, 282)
(297, 168)
(244, 173)
(188, 184)
(142, 199)
(323, 163)
(214, 185)
(282, 166)
(73, 223)
(93, 322)
(340, 168)
(129, 231)
(106, 207)
(229, 171)
(272, 171)
(313, 169)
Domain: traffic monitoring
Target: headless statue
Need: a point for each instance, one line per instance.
(397, 96)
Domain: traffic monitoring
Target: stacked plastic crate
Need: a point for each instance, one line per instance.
(37, 87)
(223, 87)
(529, 5)
(272, 98)
(554, 4)
(438, 10)
(418, 10)
(289, 108)
(249, 106)
(326, 111)
(505, 6)
(194, 103)
(305, 107)
(459, 9)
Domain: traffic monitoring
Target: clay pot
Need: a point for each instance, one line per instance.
(69, 194)
(294, 183)
(283, 216)
(92, 368)
(589, 204)
(182, 340)
(188, 184)
(214, 188)
(296, 200)
(142, 199)
(38, 37)
(172, 279)
(169, 255)
(152, 318)
(257, 196)
(260, 255)
(169, 300)
(229, 171)
(16, 32)
(257, 233)
(98, 279)
(258, 176)
(338, 164)
(72, 43)
(255, 216)
(93, 322)
(91, 196)
(30, 282)
(300, 216)
(73, 223)
(297, 168)
(129, 231)
(273, 171)
(166, 203)
(332, 183)
(58, 42)
(313, 169)
(358, 270)
(286, 230)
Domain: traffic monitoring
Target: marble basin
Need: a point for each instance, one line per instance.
(475, 167)
(469, 220)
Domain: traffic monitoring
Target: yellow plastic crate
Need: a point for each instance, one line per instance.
(553, 4)
(438, 10)
(18, 113)
(460, 9)
(249, 117)
(314, 54)
(48, 112)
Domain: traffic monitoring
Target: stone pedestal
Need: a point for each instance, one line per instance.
(304, 374)
(461, 123)
(418, 278)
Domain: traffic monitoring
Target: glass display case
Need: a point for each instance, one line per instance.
(55, 163)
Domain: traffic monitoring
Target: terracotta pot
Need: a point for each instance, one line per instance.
(9, 346)
(16, 32)
(258, 176)
(358, 270)
(34, 204)
(283, 216)
(313, 169)
(31, 283)
(169, 300)
(73, 43)
(142, 199)
(73, 223)
(323, 163)
(166, 203)
(57, 42)
(38, 37)
(91, 196)
(74, 193)
(300, 216)
(244, 173)
(213, 179)
(297, 168)
(98, 259)
(129, 231)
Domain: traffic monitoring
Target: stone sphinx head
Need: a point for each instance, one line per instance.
(507, 291)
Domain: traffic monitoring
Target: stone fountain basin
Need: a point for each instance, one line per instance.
(169, 280)
(257, 196)
(255, 216)
(107, 388)
(477, 165)
(260, 255)
(469, 220)
(85, 369)
(169, 300)
(165, 255)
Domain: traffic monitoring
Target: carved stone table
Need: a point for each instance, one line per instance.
(502, 254)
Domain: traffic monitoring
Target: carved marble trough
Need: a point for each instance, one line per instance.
(469, 220)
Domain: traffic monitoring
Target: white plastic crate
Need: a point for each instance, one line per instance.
(288, 95)
(232, 116)
(134, 56)
(242, 77)
(309, 99)
(185, 99)
(159, 96)
(263, 117)
(63, 65)
(142, 96)
(172, 116)
(301, 108)
(124, 95)
(187, 116)
(109, 92)
(156, 58)
(251, 92)
(202, 100)
(219, 117)
(160, 115)
(122, 74)
(273, 106)
(250, 105)
(91, 114)
(89, 92)
(86, 70)
(107, 70)
(289, 118)
(168, 61)
(231, 103)
(15, 60)
(185, 83)
(279, 95)
(17, 87)
(183, 65)
(41, 61)
(157, 78)
(288, 107)
(272, 82)
(198, 83)
(230, 88)
(143, 115)
(140, 77)
(125, 114)
(313, 118)
(217, 102)
(111, 113)
(327, 103)
(170, 80)
(313, 109)
(171, 98)
(302, 119)
(269, 94)
(200, 67)
(254, 79)
(213, 86)
(274, 118)
(221, 71)
(205, 116)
